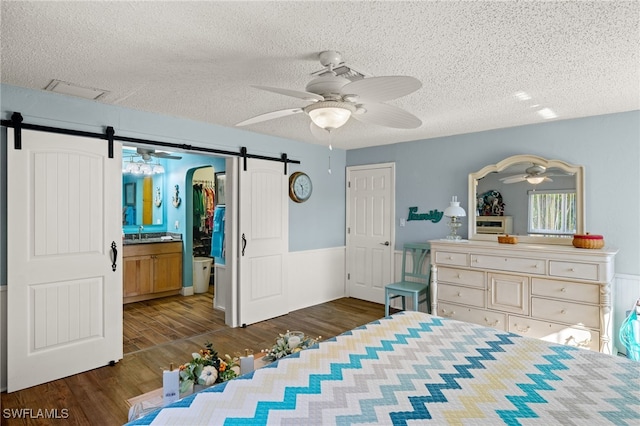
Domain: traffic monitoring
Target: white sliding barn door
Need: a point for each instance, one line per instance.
(370, 232)
(64, 309)
(263, 245)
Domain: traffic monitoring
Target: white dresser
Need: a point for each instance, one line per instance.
(556, 293)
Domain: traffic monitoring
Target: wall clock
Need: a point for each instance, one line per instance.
(300, 187)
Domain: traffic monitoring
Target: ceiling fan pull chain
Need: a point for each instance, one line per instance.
(330, 149)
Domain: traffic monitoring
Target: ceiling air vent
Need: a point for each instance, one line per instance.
(70, 89)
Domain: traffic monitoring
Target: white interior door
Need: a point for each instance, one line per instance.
(263, 244)
(64, 297)
(370, 231)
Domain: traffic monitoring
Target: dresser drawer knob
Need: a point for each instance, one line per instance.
(563, 311)
(458, 276)
(564, 290)
(572, 269)
(521, 329)
(459, 294)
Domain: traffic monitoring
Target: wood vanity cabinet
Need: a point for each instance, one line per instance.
(151, 270)
(553, 292)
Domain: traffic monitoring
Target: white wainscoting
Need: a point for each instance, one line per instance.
(316, 276)
(626, 291)
(3, 338)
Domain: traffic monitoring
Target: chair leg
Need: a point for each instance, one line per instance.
(386, 304)
(404, 303)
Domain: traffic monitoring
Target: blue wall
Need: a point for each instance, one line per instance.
(429, 172)
(325, 209)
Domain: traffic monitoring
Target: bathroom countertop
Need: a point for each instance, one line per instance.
(131, 239)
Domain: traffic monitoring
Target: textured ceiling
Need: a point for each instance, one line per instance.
(197, 60)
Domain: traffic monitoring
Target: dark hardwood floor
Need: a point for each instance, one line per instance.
(164, 331)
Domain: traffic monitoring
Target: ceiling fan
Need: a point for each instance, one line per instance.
(335, 96)
(146, 154)
(146, 165)
(534, 175)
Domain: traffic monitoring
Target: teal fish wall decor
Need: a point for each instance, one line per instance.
(433, 215)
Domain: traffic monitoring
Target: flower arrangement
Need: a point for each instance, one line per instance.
(207, 368)
(289, 343)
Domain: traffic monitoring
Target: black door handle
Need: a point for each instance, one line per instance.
(114, 256)
(244, 243)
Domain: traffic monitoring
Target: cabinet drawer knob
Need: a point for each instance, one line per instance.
(459, 294)
(458, 276)
(564, 290)
(564, 311)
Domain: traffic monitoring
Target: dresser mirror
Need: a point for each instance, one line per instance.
(535, 199)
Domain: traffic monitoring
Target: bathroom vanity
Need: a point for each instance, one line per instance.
(152, 269)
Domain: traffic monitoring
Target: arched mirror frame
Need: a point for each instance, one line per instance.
(578, 172)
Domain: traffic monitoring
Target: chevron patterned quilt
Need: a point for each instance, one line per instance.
(412, 368)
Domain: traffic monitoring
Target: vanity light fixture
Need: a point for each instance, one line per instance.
(454, 212)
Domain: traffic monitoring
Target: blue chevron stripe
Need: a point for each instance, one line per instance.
(419, 403)
(426, 370)
(532, 396)
(315, 380)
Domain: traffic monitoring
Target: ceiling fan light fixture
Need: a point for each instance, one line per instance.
(534, 180)
(330, 115)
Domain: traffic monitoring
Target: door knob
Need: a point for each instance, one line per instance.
(386, 243)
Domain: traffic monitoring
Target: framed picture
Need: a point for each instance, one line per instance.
(220, 184)
(130, 194)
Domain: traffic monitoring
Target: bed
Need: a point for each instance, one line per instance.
(414, 368)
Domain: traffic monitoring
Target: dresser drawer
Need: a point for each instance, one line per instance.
(565, 312)
(575, 292)
(511, 264)
(473, 315)
(583, 271)
(461, 276)
(555, 333)
(448, 258)
(464, 295)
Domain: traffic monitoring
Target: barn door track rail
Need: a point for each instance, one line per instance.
(109, 135)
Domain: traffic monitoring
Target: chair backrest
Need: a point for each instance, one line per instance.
(420, 268)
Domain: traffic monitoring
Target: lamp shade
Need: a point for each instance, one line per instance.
(454, 209)
(329, 115)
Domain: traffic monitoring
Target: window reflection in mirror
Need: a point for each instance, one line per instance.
(533, 209)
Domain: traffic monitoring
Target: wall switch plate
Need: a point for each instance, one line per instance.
(177, 225)
(403, 222)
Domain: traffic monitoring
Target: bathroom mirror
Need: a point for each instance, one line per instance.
(528, 190)
(142, 199)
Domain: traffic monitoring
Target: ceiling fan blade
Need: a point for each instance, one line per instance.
(514, 179)
(307, 96)
(167, 156)
(319, 133)
(270, 116)
(388, 116)
(380, 89)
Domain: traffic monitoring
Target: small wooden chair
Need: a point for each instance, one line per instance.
(414, 281)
